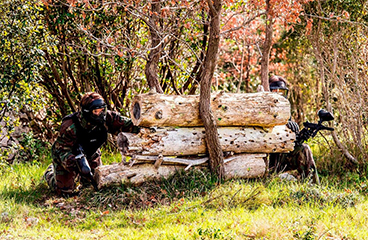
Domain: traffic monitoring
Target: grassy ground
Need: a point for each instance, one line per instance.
(186, 206)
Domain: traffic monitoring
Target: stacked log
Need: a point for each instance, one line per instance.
(170, 141)
(172, 136)
(263, 109)
(237, 166)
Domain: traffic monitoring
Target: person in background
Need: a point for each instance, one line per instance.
(76, 151)
(301, 158)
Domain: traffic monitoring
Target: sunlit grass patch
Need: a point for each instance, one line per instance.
(316, 195)
(188, 205)
(237, 194)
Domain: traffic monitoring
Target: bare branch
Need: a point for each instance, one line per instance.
(244, 23)
(336, 20)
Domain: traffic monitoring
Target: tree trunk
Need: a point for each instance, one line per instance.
(318, 55)
(192, 141)
(62, 86)
(230, 109)
(266, 48)
(236, 166)
(213, 144)
(155, 52)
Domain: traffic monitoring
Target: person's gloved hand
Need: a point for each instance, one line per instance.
(293, 126)
(136, 129)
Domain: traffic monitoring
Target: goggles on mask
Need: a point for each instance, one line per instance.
(280, 88)
(91, 113)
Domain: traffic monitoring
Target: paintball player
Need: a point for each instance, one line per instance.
(301, 158)
(76, 150)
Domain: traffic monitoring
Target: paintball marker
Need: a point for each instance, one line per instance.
(311, 129)
(84, 168)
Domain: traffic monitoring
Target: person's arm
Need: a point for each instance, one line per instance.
(63, 147)
(117, 123)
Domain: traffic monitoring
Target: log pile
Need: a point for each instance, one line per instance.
(173, 137)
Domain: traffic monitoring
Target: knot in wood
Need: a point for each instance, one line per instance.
(158, 115)
(224, 108)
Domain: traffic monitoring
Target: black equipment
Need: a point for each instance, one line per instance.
(280, 87)
(311, 129)
(84, 168)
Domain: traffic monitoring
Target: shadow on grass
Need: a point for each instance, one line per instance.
(189, 184)
(182, 184)
(34, 196)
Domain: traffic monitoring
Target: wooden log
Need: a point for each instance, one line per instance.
(138, 159)
(264, 109)
(236, 166)
(191, 141)
(245, 166)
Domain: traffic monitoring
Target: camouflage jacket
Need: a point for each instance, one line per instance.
(63, 149)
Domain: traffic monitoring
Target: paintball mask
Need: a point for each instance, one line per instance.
(279, 87)
(95, 112)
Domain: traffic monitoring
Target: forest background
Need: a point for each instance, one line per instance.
(54, 51)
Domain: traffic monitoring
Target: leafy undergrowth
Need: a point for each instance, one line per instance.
(189, 205)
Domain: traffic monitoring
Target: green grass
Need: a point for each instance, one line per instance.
(185, 206)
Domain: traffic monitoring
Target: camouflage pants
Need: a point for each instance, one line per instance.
(64, 182)
(300, 159)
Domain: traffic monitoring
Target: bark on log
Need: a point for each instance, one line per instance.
(191, 141)
(236, 166)
(230, 109)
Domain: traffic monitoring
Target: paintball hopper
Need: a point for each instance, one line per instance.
(324, 116)
(311, 129)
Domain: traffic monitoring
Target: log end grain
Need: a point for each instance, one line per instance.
(136, 113)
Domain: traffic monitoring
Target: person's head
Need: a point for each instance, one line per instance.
(93, 108)
(279, 85)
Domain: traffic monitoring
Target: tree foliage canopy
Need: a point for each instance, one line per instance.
(55, 50)
(21, 31)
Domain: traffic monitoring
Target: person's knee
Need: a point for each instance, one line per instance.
(49, 177)
(65, 181)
